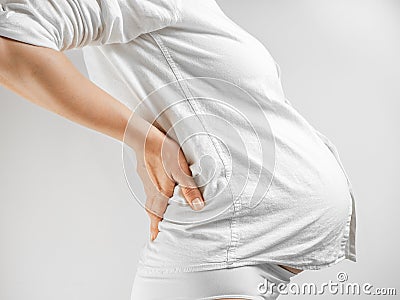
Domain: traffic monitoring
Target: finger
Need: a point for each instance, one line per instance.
(154, 221)
(156, 180)
(156, 206)
(183, 176)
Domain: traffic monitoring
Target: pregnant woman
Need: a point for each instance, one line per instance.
(242, 192)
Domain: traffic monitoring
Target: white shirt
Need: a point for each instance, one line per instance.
(275, 188)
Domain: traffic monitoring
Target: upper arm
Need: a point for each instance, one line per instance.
(68, 24)
(9, 52)
(21, 62)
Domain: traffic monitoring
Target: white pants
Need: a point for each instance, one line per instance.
(258, 282)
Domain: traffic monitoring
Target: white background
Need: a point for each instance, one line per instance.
(69, 228)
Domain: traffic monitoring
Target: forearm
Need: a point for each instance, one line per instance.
(47, 78)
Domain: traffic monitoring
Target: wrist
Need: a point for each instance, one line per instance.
(136, 131)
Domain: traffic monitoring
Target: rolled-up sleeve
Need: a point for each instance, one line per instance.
(69, 24)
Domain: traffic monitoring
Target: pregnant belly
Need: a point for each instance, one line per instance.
(309, 185)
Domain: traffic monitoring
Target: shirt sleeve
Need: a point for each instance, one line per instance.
(68, 24)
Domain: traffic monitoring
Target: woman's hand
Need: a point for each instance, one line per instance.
(161, 165)
(47, 78)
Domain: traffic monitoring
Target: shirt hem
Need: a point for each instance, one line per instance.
(26, 39)
(238, 263)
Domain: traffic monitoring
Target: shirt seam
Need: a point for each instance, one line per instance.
(234, 238)
(182, 86)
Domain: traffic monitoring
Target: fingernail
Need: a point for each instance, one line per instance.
(152, 236)
(197, 204)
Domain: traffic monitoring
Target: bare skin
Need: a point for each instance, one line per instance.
(293, 270)
(47, 78)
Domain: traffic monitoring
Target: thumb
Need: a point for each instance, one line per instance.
(193, 197)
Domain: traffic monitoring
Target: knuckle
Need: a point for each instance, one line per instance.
(166, 190)
(163, 191)
(190, 192)
(154, 218)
